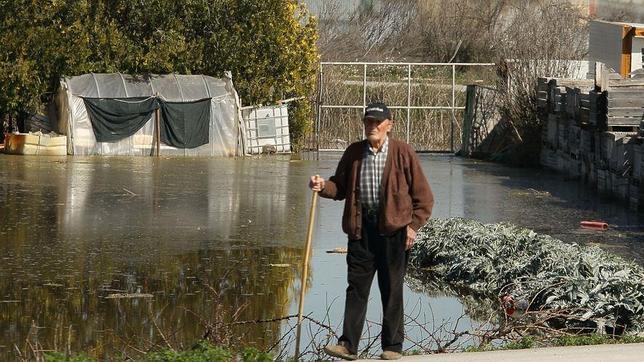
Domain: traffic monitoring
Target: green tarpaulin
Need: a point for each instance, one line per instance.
(183, 124)
(116, 118)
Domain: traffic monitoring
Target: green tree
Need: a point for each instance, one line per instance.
(269, 45)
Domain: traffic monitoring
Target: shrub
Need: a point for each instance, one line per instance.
(269, 45)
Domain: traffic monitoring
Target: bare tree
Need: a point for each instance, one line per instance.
(535, 39)
(437, 31)
(377, 32)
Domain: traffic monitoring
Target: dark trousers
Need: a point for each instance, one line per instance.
(387, 256)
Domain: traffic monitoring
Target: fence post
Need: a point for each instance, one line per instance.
(318, 117)
(408, 100)
(453, 105)
(157, 128)
(364, 94)
(468, 120)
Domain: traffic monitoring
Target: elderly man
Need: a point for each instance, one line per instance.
(387, 199)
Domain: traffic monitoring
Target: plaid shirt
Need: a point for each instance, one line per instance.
(373, 166)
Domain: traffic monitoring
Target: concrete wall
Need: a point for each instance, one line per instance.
(605, 44)
(637, 53)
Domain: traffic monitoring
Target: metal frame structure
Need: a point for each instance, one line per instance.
(253, 133)
(408, 107)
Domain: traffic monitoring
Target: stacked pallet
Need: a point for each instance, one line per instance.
(625, 103)
(595, 133)
(637, 188)
(625, 112)
(564, 108)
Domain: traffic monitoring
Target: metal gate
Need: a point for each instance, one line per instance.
(427, 101)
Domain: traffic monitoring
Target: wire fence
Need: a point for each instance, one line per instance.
(427, 101)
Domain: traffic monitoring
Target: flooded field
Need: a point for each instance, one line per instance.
(120, 255)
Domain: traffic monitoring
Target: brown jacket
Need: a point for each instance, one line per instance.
(406, 197)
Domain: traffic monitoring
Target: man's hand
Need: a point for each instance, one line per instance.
(411, 237)
(316, 183)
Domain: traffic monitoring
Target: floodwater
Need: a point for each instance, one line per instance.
(120, 255)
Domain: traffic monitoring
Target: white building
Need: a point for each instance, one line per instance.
(619, 46)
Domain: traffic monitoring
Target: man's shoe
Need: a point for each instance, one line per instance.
(340, 351)
(390, 355)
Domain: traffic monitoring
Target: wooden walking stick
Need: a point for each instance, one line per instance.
(305, 269)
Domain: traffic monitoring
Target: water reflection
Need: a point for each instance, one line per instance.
(78, 231)
(549, 203)
(74, 231)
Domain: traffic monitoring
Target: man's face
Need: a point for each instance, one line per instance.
(376, 130)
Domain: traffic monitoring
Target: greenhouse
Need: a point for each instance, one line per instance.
(129, 115)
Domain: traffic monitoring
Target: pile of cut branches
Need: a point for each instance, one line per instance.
(586, 287)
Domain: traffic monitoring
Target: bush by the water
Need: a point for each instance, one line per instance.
(587, 286)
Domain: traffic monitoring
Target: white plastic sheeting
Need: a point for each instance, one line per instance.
(226, 127)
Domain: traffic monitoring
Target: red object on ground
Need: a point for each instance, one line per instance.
(595, 225)
(507, 302)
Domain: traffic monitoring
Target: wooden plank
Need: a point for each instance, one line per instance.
(622, 129)
(585, 141)
(549, 158)
(597, 101)
(562, 135)
(578, 83)
(583, 117)
(605, 75)
(627, 48)
(609, 140)
(542, 84)
(560, 100)
(603, 181)
(551, 95)
(635, 196)
(637, 112)
(620, 186)
(626, 102)
(625, 90)
(562, 160)
(623, 121)
(552, 128)
(597, 119)
(592, 173)
(571, 101)
(597, 148)
(621, 159)
(574, 133)
(573, 168)
(637, 162)
(622, 93)
(628, 82)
